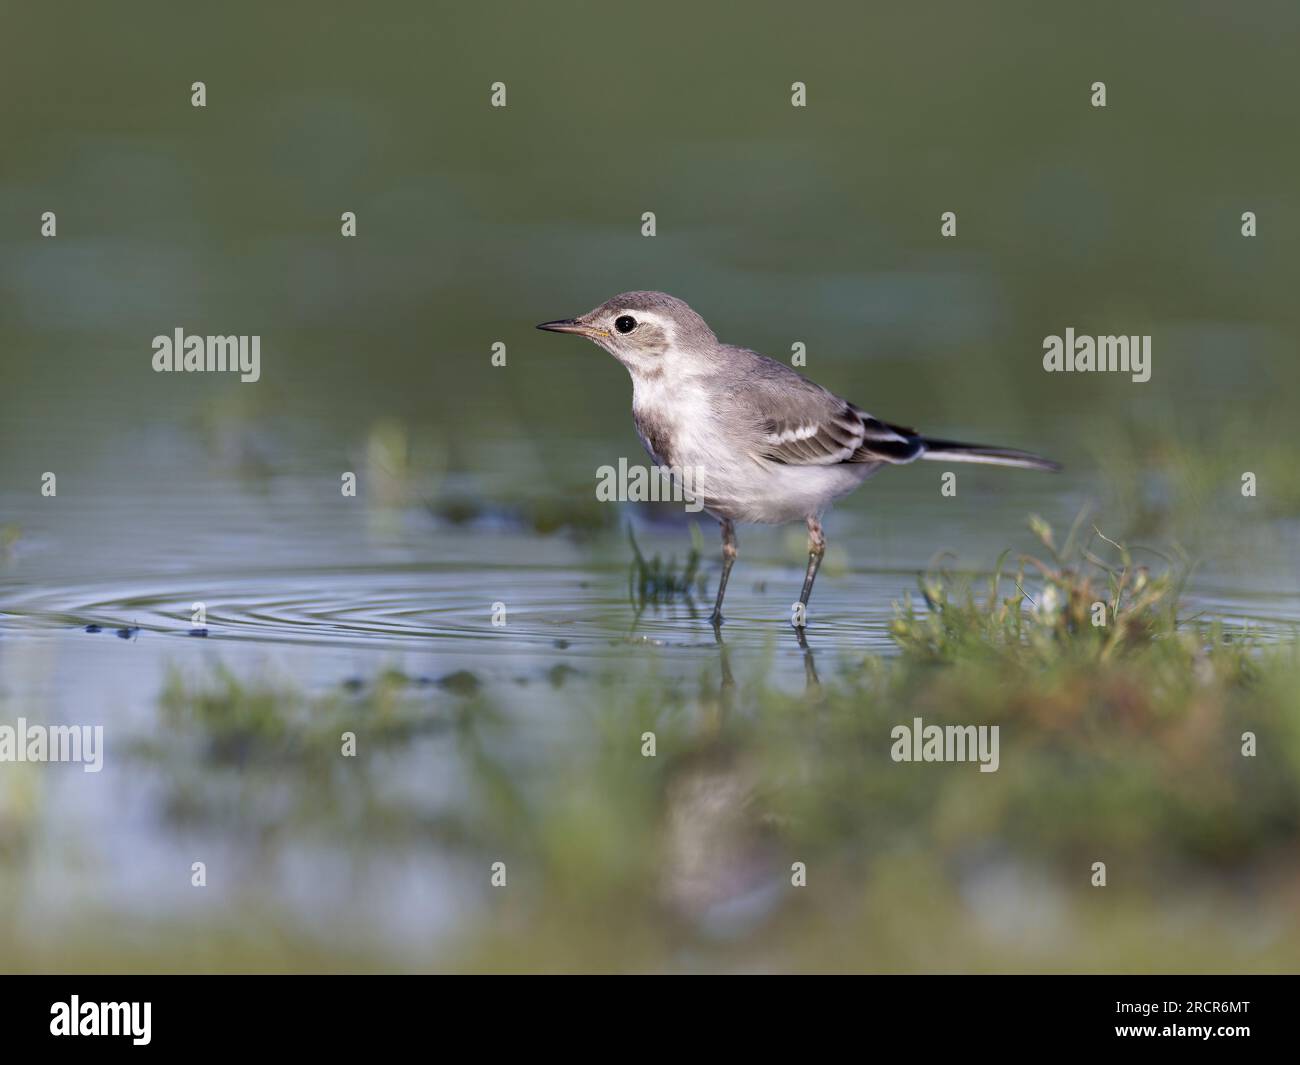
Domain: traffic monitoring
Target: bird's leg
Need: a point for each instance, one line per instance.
(816, 548)
(728, 559)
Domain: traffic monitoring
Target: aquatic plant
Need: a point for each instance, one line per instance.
(1073, 603)
(654, 582)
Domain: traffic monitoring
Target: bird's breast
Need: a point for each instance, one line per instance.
(676, 425)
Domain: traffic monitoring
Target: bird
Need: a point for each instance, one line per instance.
(764, 443)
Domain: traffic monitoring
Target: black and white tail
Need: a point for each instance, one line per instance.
(952, 451)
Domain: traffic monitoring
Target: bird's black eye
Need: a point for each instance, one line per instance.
(625, 323)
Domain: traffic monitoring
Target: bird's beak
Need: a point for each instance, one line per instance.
(572, 325)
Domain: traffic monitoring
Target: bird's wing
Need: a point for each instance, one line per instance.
(842, 435)
(799, 423)
(816, 437)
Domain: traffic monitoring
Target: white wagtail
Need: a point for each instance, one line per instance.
(765, 444)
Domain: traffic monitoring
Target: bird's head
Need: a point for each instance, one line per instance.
(651, 333)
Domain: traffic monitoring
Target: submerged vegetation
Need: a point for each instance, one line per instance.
(655, 582)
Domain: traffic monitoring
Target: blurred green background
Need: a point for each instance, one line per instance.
(779, 224)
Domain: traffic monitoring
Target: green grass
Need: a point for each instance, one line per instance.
(1073, 605)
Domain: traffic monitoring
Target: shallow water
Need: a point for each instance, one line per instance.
(340, 576)
(331, 595)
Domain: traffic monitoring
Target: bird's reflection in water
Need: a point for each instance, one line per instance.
(812, 683)
(722, 862)
(724, 661)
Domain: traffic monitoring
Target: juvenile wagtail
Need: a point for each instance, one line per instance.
(765, 444)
